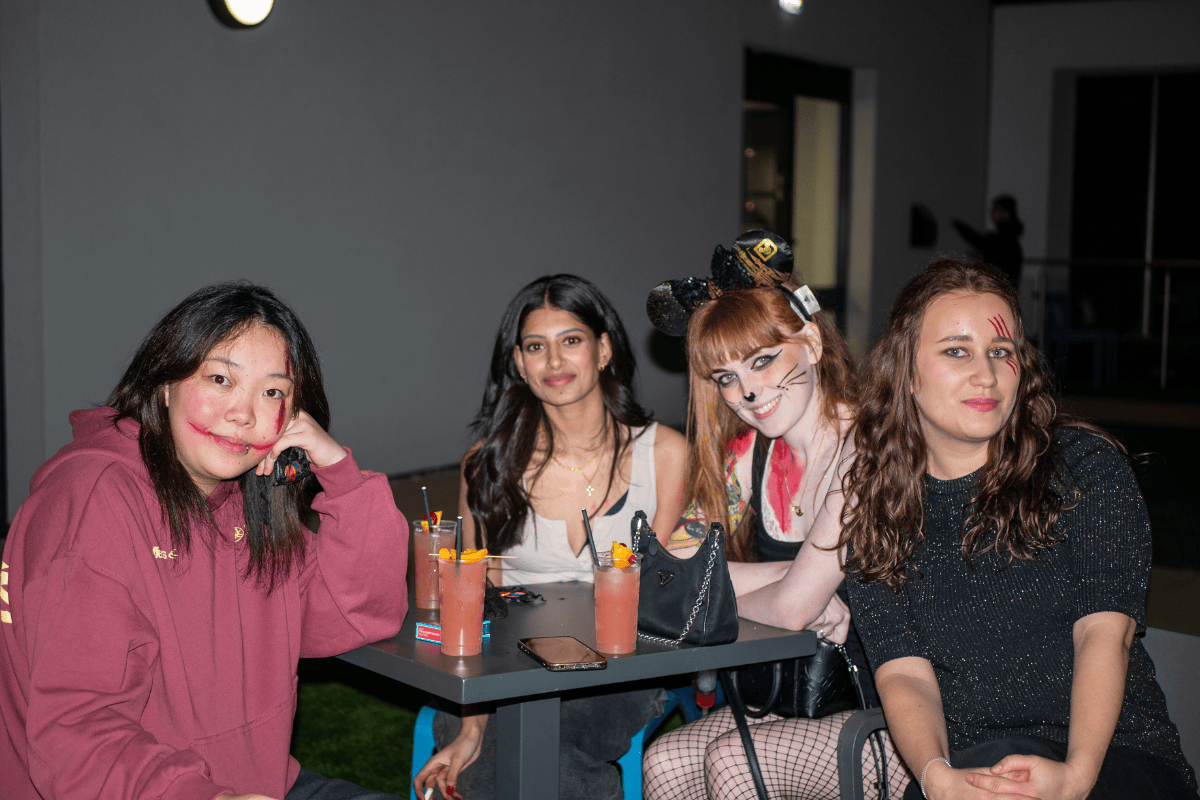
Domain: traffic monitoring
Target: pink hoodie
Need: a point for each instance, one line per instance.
(130, 670)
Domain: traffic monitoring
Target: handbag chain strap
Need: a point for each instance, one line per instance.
(708, 571)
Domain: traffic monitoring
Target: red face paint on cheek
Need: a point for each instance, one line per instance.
(228, 445)
(1012, 363)
(262, 448)
(280, 418)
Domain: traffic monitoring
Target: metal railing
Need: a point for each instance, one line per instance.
(1041, 268)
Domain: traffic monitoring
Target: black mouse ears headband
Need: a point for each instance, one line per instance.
(758, 260)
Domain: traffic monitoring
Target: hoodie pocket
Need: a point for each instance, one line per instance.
(253, 757)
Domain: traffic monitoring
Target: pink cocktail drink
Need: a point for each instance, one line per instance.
(425, 560)
(616, 607)
(462, 584)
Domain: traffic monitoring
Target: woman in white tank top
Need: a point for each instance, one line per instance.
(560, 431)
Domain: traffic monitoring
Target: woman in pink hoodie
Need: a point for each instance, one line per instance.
(159, 585)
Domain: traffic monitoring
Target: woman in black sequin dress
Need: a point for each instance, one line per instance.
(1001, 552)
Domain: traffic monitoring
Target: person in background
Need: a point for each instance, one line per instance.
(560, 430)
(1000, 247)
(999, 553)
(159, 586)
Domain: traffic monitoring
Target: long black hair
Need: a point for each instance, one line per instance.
(511, 417)
(173, 350)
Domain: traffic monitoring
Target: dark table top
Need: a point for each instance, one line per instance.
(503, 671)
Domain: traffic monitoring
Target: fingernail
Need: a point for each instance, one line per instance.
(450, 789)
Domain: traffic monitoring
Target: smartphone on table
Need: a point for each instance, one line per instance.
(560, 653)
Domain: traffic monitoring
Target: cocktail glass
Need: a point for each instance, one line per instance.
(616, 605)
(426, 544)
(461, 587)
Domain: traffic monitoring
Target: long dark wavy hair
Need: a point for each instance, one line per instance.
(730, 328)
(1021, 490)
(173, 350)
(511, 418)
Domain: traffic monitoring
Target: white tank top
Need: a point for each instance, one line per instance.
(544, 555)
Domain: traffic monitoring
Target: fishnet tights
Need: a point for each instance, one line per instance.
(798, 758)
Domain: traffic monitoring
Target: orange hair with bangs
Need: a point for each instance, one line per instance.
(730, 328)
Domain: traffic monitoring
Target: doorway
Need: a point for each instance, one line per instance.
(796, 165)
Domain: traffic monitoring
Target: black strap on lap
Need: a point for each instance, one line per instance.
(739, 716)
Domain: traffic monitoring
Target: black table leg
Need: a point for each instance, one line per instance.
(527, 749)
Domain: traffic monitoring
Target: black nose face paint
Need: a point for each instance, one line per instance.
(750, 397)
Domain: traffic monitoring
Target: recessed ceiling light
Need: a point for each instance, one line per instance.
(242, 13)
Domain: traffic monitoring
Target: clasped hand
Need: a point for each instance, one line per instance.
(1015, 777)
(834, 622)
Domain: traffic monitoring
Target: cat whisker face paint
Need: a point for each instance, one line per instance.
(770, 389)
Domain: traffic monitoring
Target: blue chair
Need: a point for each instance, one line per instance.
(631, 763)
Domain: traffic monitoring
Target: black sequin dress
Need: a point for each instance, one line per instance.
(1000, 637)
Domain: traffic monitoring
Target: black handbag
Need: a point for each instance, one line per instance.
(813, 687)
(684, 600)
(817, 684)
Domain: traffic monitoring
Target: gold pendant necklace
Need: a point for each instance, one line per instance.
(589, 488)
(803, 474)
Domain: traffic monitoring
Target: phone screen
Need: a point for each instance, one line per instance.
(563, 653)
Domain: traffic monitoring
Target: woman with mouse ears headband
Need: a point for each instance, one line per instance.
(773, 392)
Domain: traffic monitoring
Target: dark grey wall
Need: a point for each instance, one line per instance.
(397, 170)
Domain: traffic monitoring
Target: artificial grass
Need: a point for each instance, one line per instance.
(353, 725)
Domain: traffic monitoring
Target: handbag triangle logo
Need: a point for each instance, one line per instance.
(664, 577)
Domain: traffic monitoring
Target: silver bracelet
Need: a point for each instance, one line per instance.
(921, 782)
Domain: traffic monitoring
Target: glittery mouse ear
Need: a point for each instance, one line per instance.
(759, 259)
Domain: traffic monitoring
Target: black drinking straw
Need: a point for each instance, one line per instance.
(428, 516)
(587, 526)
(458, 540)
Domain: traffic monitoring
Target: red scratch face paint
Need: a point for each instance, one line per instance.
(1001, 328)
(282, 414)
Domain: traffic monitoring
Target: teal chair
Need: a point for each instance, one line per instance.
(630, 763)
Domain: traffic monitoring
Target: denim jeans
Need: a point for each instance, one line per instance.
(594, 731)
(315, 786)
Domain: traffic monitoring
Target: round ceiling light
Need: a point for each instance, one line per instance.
(242, 13)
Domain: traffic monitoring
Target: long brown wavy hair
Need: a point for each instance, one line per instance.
(730, 328)
(1021, 491)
